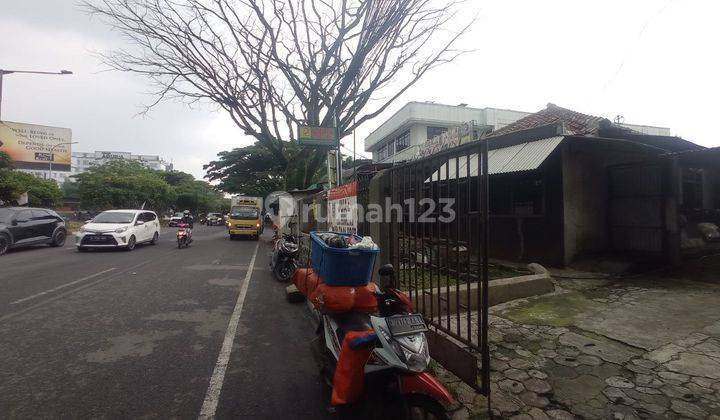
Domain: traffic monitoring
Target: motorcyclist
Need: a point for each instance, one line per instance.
(187, 218)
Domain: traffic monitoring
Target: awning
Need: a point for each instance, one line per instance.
(518, 158)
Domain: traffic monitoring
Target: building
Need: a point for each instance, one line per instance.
(60, 176)
(82, 161)
(401, 136)
(566, 186)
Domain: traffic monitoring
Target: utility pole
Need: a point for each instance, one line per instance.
(52, 157)
(4, 72)
(338, 155)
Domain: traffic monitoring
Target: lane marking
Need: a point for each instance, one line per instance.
(55, 289)
(212, 397)
(42, 303)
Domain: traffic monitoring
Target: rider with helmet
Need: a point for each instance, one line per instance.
(187, 218)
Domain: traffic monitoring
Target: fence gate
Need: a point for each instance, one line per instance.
(637, 208)
(438, 221)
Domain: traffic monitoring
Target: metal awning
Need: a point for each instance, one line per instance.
(518, 158)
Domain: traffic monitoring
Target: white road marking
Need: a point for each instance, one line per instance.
(212, 397)
(55, 289)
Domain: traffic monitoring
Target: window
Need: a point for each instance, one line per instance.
(39, 214)
(402, 141)
(24, 216)
(433, 132)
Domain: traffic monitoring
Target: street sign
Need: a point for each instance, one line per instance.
(317, 136)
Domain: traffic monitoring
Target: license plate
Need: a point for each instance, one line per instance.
(96, 238)
(406, 324)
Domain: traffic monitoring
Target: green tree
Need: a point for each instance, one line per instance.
(124, 184)
(5, 161)
(253, 170)
(41, 192)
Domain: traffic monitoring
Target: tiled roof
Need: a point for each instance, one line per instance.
(575, 123)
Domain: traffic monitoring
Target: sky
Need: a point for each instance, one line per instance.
(654, 62)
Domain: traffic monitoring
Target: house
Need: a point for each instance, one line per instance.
(564, 185)
(403, 134)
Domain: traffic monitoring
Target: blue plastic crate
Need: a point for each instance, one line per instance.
(342, 266)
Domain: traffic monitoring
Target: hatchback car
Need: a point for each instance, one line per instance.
(22, 226)
(215, 219)
(119, 229)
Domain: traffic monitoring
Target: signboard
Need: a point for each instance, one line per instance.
(317, 136)
(455, 136)
(33, 146)
(342, 208)
(112, 155)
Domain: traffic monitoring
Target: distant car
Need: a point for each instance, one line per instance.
(119, 229)
(22, 226)
(175, 219)
(215, 219)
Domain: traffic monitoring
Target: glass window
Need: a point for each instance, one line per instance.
(39, 214)
(517, 197)
(24, 216)
(433, 132)
(402, 141)
(114, 217)
(244, 213)
(692, 188)
(6, 215)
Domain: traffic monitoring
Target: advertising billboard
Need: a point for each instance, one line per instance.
(33, 146)
(342, 208)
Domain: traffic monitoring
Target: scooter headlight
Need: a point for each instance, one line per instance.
(417, 362)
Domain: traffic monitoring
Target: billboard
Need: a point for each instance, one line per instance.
(33, 146)
(342, 208)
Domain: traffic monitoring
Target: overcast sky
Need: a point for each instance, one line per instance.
(655, 62)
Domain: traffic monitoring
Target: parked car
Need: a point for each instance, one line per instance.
(215, 219)
(175, 219)
(119, 229)
(22, 226)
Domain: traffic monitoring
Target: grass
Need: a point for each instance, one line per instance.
(73, 226)
(407, 275)
(557, 311)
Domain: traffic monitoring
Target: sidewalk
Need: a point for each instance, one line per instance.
(642, 349)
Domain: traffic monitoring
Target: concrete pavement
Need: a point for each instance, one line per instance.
(137, 334)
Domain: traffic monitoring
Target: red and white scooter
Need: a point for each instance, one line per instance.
(184, 235)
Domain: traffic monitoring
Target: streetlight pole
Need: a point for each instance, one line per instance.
(3, 72)
(52, 157)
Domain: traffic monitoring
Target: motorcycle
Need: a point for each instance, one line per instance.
(284, 257)
(397, 385)
(184, 235)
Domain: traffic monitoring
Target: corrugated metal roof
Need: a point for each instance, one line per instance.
(518, 158)
(527, 157)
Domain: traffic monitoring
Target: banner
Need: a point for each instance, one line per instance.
(455, 136)
(33, 146)
(342, 208)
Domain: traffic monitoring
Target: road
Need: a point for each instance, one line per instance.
(118, 334)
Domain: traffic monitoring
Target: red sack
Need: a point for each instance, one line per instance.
(349, 380)
(329, 299)
(306, 280)
(365, 299)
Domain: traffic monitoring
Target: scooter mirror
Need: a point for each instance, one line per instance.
(387, 270)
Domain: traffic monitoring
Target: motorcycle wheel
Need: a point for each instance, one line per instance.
(419, 407)
(180, 243)
(284, 272)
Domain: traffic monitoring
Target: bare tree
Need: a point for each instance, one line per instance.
(276, 64)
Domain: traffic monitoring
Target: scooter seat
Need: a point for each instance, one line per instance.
(351, 321)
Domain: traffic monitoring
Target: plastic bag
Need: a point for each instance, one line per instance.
(366, 243)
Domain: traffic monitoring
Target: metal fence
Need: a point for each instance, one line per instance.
(438, 225)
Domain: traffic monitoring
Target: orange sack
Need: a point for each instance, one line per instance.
(337, 299)
(349, 380)
(306, 280)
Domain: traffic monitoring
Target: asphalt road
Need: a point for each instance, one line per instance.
(117, 334)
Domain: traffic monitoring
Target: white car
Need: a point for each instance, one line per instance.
(119, 229)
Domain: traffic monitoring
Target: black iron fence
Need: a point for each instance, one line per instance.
(438, 221)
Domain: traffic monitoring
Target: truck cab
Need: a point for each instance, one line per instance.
(245, 220)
